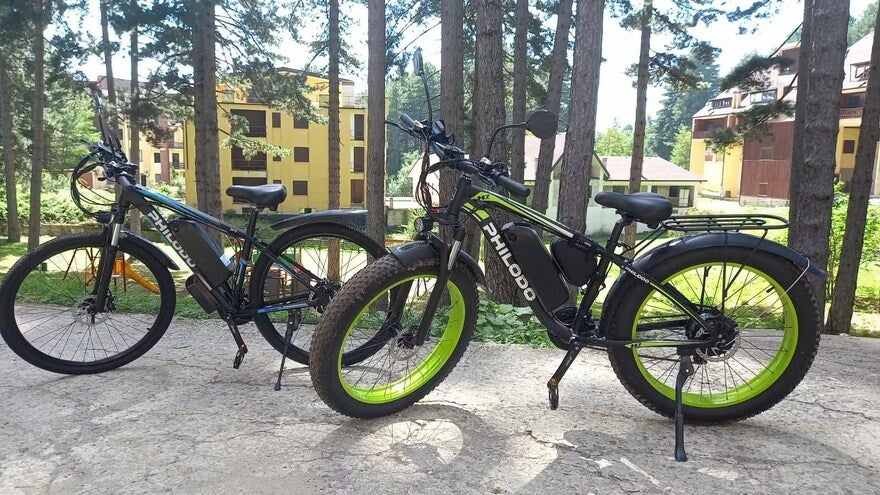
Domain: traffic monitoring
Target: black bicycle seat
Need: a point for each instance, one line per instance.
(268, 195)
(645, 207)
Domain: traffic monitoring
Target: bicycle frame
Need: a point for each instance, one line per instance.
(477, 202)
(230, 296)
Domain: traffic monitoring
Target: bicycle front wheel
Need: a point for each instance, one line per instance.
(758, 302)
(388, 300)
(331, 252)
(49, 317)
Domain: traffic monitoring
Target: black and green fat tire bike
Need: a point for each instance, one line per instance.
(713, 326)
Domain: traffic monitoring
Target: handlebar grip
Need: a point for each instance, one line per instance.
(408, 121)
(515, 188)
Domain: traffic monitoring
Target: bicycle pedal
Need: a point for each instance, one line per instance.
(239, 357)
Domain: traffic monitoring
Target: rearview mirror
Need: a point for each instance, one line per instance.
(542, 124)
(418, 64)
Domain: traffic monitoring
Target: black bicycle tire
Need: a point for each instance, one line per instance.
(24, 266)
(348, 304)
(274, 337)
(621, 313)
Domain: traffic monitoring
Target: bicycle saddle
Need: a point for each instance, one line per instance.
(649, 208)
(268, 195)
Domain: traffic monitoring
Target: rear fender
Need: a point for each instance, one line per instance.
(347, 217)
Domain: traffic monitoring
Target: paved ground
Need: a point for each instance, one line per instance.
(180, 420)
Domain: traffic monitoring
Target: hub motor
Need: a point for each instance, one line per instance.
(721, 339)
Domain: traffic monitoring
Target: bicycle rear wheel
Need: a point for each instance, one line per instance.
(48, 313)
(329, 251)
(758, 301)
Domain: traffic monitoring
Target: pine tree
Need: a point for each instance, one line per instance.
(520, 79)
(40, 19)
(558, 69)
(681, 151)
(841, 311)
(375, 198)
(574, 186)
(11, 42)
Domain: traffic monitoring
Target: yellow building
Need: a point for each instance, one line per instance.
(304, 171)
(160, 162)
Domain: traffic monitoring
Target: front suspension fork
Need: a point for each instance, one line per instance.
(105, 265)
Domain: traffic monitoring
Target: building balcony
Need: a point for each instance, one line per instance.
(851, 113)
(248, 164)
(702, 134)
(344, 101)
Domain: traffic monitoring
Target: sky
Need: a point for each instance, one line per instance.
(620, 50)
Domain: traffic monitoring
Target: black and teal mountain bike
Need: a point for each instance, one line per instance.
(88, 303)
(715, 325)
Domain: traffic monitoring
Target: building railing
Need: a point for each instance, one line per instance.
(248, 164)
(851, 113)
(344, 101)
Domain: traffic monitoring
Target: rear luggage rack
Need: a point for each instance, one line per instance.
(723, 223)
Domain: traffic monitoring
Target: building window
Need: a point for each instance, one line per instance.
(239, 162)
(763, 189)
(300, 154)
(852, 101)
(721, 103)
(119, 133)
(256, 120)
(860, 72)
(276, 120)
(763, 97)
(175, 160)
(300, 122)
(357, 163)
(849, 146)
(157, 157)
(766, 153)
(246, 181)
(300, 188)
(616, 189)
(357, 131)
(357, 191)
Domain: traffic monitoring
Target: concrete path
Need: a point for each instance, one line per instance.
(180, 420)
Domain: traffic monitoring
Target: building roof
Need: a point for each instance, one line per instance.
(654, 169)
(859, 53)
(533, 148)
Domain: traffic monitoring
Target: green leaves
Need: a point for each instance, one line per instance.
(508, 324)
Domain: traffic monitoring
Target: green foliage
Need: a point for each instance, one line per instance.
(860, 27)
(753, 73)
(406, 94)
(871, 247)
(507, 324)
(618, 141)
(681, 151)
(614, 141)
(400, 184)
(56, 205)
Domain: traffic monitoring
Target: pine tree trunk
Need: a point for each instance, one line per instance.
(452, 105)
(134, 132)
(333, 129)
(843, 295)
(811, 218)
(638, 150)
(107, 52)
(558, 67)
(205, 104)
(803, 88)
(490, 112)
(38, 151)
(375, 125)
(520, 81)
(574, 187)
(13, 224)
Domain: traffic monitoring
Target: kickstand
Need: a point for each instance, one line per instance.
(685, 370)
(242, 348)
(293, 321)
(574, 349)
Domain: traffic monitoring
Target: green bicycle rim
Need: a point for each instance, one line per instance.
(751, 388)
(427, 369)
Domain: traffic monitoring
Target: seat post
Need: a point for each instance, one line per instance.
(613, 239)
(252, 220)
